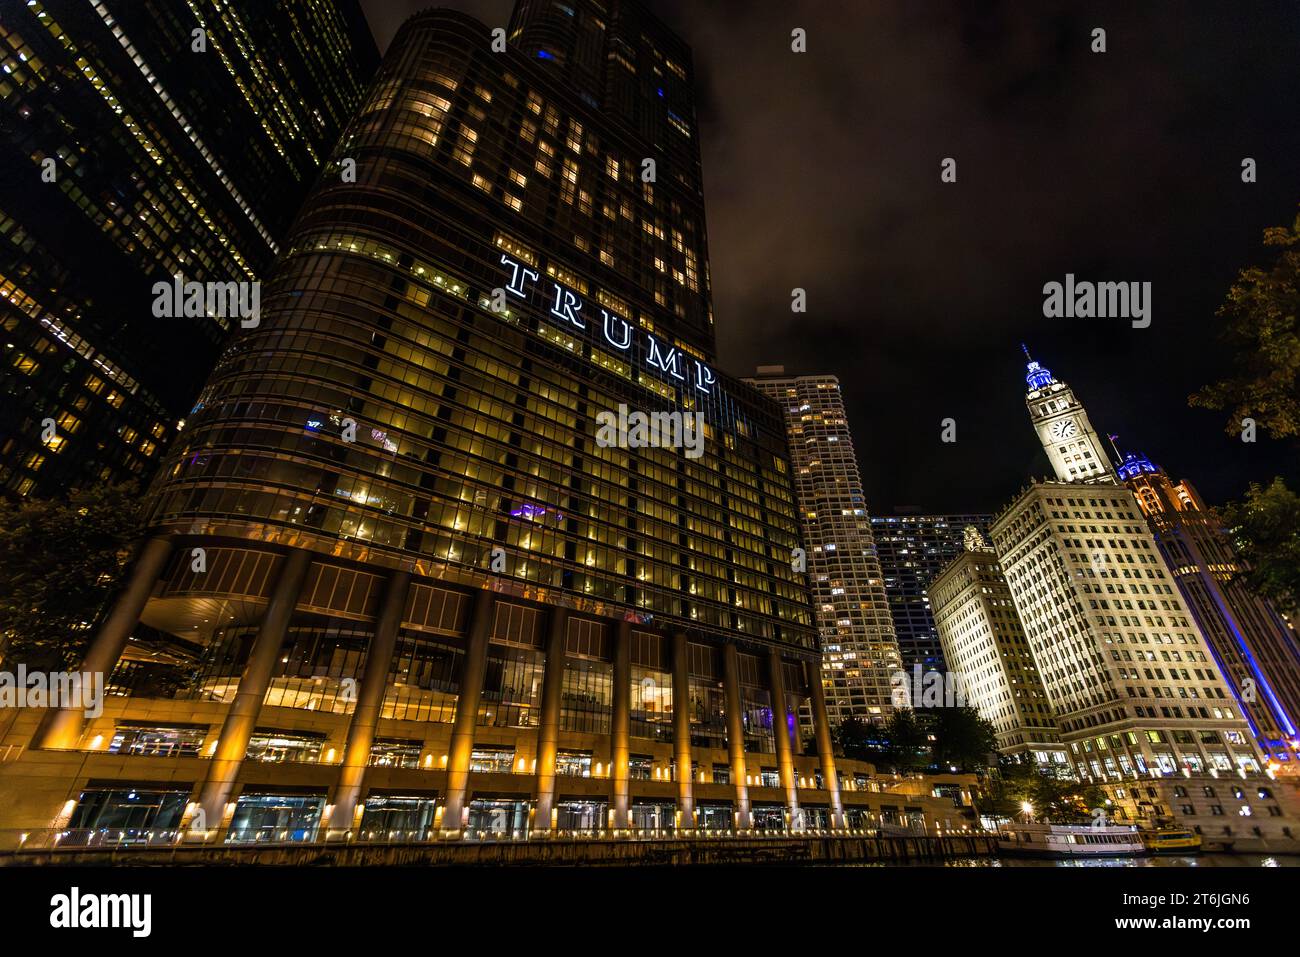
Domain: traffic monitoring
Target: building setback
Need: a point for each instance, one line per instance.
(424, 587)
(860, 660)
(130, 156)
(913, 549)
(1253, 645)
(985, 645)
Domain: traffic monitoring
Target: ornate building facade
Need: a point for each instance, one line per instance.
(1130, 676)
(985, 645)
(1253, 644)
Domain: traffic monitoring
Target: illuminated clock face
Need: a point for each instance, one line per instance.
(1064, 429)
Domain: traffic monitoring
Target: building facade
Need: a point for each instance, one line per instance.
(913, 549)
(432, 598)
(1130, 677)
(1253, 644)
(860, 659)
(145, 140)
(985, 644)
(1243, 812)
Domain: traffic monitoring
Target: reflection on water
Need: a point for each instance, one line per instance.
(1198, 860)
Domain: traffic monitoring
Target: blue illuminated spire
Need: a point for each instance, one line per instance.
(1038, 376)
(1131, 464)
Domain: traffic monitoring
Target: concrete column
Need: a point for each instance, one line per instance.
(1232, 755)
(62, 728)
(370, 701)
(784, 752)
(548, 730)
(620, 747)
(825, 748)
(241, 718)
(736, 733)
(682, 730)
(1132, 760)
(462, 733)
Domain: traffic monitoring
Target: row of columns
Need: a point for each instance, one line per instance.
(62, 729)
(1144, 750)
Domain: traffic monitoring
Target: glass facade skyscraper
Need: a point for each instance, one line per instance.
(145, 139)
(414, 566)
(913, 549)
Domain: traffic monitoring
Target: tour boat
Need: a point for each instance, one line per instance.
(1069, 840)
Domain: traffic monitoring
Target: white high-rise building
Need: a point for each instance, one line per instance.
(985, 645)
(860, 659)
(1128, 673)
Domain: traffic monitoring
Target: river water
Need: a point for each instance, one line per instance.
(1198, 860)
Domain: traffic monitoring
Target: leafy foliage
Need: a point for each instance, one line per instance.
(1265, 529)
(1264, 338)
(1053, 799)
(938, 738)
(962, 739)
(60, 562)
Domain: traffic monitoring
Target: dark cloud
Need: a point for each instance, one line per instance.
(822, 172)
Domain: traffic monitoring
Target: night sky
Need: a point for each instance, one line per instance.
(822, 171)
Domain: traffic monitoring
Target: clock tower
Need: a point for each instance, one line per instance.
(1071, 443)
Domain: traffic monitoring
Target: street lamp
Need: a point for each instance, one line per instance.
(1029, 811)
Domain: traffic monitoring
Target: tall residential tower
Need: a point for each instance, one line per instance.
(860, 660)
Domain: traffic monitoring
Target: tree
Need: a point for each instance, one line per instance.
(1263, 335)
(861, 741)
(907, 743)
(1265, 530)
(962, 739)
(60, 562)
(1007, 791)
(1264, 339)
(1053, 799)
(1059, 801)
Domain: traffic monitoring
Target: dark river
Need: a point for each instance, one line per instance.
(1198, 860)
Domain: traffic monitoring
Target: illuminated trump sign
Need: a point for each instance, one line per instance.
(664, 360)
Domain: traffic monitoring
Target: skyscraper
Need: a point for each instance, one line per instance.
(421, 577)
(913, 549)
(1131, 679)
(860, 658)
(1255, 648)
(985, 644)
(143, 140)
